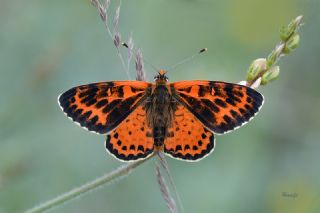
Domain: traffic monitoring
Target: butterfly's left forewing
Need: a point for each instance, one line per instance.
(220, 106)
(100, 107)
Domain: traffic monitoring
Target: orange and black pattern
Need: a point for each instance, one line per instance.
(180, 118)
(188, 139)
(220, 106)
(132, 139)
(100, 107)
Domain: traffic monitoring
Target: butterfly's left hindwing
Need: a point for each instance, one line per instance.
(100, 107)
(132, 139)
(220, 106)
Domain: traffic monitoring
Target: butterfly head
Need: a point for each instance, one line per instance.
(161, 77)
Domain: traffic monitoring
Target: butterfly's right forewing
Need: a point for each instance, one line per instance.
(100, 107)
(220, 106)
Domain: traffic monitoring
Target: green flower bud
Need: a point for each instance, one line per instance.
(284, 33)
(255, 68)
(274, 55)
(292, 43)
(287, 31)
(270, 75)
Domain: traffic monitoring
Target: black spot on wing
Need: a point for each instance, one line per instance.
(94, 120)
(203, 90)
(247, 106)
(238, 93)
(109, 146)
(220, 103)
(206, 113)
(141, 148)
(211, 105)
(85, 116)
(120, 91)
(88, 92)
(101, 103)
(194, 157)
(91, 102)
(69, 110)
(88, 97)
(111, 106)
(132, 147)
(204, 136)
(231, 101)
(116, 135)
(77, 113)
(227, 119)
(193, 102)
(178, 148)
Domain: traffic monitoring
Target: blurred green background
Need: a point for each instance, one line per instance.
(46, 47)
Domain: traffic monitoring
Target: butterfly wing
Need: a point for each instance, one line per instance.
(188, 139)
(220, 106)
(132, 139)
(100, 107)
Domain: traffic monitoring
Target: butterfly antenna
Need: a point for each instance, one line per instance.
(187, 59)
(144, 58)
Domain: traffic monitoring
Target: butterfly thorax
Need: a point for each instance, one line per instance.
(160, 107)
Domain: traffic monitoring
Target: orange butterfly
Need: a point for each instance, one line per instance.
(179, 118)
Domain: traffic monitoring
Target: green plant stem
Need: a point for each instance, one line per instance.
(74, 193)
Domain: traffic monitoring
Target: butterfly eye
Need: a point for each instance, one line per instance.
(155, 78)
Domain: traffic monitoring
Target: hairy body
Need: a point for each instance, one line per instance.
(160, 111)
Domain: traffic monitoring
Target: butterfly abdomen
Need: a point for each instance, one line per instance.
(159, 111)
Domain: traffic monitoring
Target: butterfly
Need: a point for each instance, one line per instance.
(181, 118)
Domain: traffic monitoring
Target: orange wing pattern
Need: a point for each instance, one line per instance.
(188, 139)
(220, 106)
(100, 107)
(132, 139)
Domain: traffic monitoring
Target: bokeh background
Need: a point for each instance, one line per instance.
(46, 47)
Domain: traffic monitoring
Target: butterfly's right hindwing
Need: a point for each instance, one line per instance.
(187, 138)
(100, 107)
